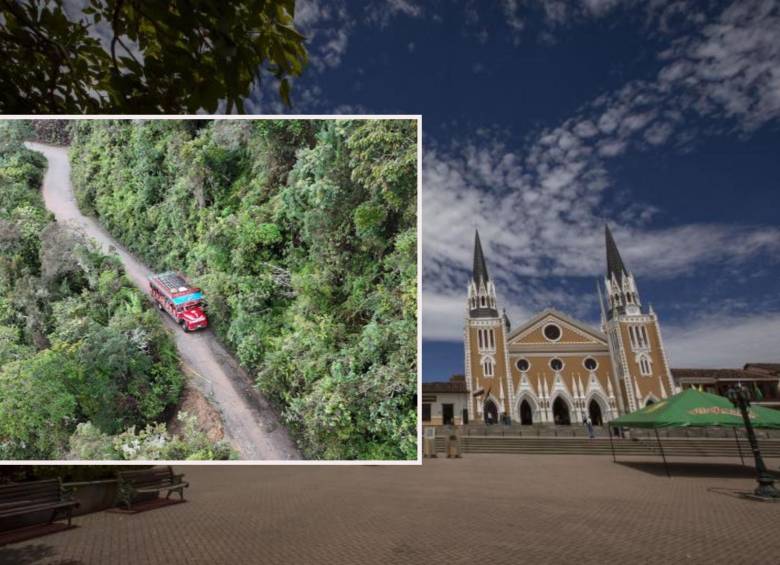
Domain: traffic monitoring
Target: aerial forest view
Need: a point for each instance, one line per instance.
(208, 289)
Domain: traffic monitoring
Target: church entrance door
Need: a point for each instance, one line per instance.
(561, 412)
(491, 412)
(526, 414)
(594, 411)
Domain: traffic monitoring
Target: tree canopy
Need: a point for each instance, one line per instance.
(134, 56)
(77, 345)
(303, 236)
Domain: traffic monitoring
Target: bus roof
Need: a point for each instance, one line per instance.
(172, 283)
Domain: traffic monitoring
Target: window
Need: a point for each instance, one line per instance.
(487, 367)
(590, 364)
(487, 339)
(482, 300)
(556, 364)
(426, 412)
(644, 366)
(638, 336)
(552, 332)
(523, 365)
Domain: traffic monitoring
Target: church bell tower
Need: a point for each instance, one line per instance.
(641, 370)
(485, 346)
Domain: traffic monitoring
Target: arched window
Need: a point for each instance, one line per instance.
(487, 367)
(644, 366)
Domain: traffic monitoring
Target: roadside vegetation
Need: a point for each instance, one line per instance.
(78, 346)
(302, 235)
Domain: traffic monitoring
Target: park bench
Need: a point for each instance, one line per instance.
(136, 484)
(36, 496)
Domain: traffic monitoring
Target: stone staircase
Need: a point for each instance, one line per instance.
(673, 447)
(580, 431)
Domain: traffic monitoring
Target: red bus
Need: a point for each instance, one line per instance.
(183, 302)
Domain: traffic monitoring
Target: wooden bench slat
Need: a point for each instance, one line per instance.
(35, 508)
(35, 496)
(149, 481)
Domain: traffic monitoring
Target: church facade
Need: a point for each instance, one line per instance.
(556, 369)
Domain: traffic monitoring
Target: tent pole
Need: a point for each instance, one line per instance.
(739, 447)
(663, 456)
(611, 445)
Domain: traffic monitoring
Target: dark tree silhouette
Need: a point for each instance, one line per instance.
(136, 56)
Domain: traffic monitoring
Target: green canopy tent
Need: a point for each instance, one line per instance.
(694, 408)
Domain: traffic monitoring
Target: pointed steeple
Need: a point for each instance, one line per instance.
(615, 265)
(621, 291)
(482, 291)
(480, 272)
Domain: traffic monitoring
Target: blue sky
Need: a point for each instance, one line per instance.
(543, 119)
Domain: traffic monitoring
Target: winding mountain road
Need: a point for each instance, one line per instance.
(250, 422)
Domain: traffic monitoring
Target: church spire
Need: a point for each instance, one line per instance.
(621, 291)
(482, 292)
(480, 272)
(615, 266)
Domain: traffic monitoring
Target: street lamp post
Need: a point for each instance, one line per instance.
(766, 484)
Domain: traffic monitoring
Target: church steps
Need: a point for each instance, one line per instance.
(673, 447)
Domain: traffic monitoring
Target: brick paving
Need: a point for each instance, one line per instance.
(486, 509)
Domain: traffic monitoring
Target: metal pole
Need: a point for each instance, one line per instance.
(663, 456)
(739, 447)
(766, 483)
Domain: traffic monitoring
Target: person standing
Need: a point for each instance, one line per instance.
(589, 424)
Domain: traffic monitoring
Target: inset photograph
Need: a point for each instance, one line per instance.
(209, 289)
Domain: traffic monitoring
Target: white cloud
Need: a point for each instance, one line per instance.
(443, 316)
(723, 341)
(382, 11)
(326, 26)
(732, 68)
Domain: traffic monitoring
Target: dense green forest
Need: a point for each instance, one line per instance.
(83, 362)
(303, 236)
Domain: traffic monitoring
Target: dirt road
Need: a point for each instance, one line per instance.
(250, 423)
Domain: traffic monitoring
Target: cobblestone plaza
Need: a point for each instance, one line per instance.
(480, 509)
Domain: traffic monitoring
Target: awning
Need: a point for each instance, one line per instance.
(694, 408)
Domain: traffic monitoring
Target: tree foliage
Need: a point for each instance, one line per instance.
(76, 342)
(303, 236)
(151, 443)
(133, 56)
